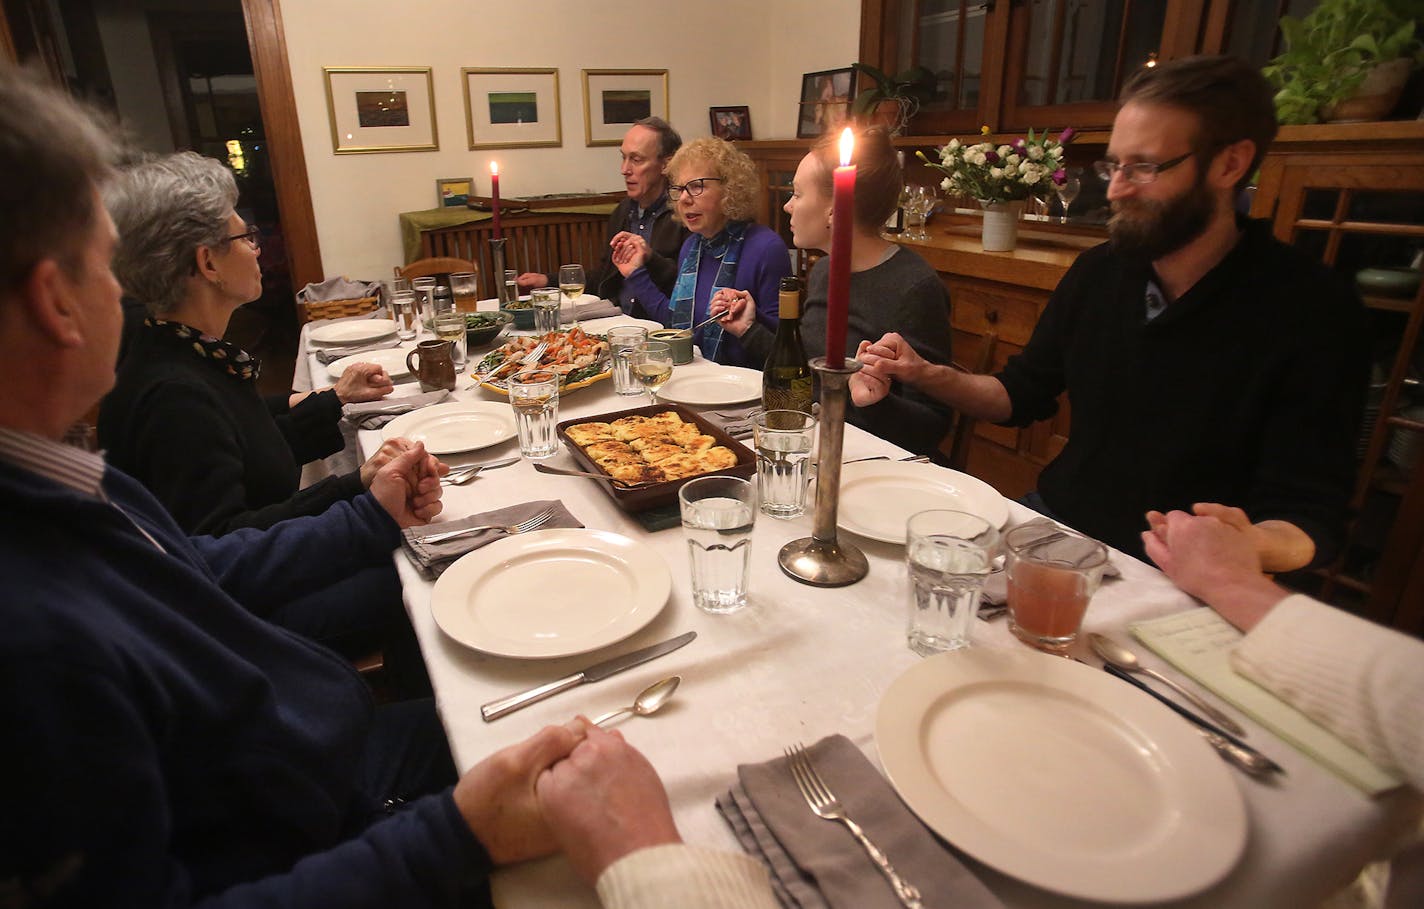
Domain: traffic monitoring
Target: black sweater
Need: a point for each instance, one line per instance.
(1247, 391)
(209, 447)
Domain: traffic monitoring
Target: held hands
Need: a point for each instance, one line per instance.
(738, 305)
(363, 382)
(630, 252)
(870, 385)
(1280, 545)
(407, 485)
(531, 280)
(1214, 560)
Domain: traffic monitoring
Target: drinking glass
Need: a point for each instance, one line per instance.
(571, 282)
(783, 452)
(545, 301)
(651, 364)
(464, 286)
(449, 325)
(717, 518)
(405, 313)
(1052, 573)
(948, 555)
(1067, 193)
(424, 296)
(622, 340)
(534, 395)
(511, 286)
(914, 213)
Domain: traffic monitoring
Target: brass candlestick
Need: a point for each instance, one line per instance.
(497, 260)
(820, 559)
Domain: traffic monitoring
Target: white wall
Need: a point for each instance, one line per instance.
(749, 52)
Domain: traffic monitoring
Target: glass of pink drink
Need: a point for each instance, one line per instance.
(1052, 574)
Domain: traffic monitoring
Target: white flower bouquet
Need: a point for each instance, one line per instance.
(1002, 173)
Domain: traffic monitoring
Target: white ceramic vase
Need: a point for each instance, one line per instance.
(1001, 225)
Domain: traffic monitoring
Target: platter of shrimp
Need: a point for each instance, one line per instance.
(578, 357)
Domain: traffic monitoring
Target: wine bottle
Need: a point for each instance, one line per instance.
(786, 380)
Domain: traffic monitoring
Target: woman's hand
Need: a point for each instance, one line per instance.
(630, 252)
(363, 382)
(739, 307)
(892, 357)
(870, 385)
(408, 486)
(388, 452)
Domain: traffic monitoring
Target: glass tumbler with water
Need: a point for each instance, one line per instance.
(405, 313)
(534, 395)
(948, 555)
(545, 301)
(783, 451)
(717, 518)
(622, 340)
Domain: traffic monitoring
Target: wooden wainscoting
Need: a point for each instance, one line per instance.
(536, 242)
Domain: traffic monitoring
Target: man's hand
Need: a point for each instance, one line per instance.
(363, 382)
(1214, 561)
(1281, 545)
(497, 796)
(408, 486)
(531, 280)
(893, 358)
(870, 385)
(740, 308)
(630, 252)
(605, 801)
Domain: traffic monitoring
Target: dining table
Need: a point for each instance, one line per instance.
(800, 663)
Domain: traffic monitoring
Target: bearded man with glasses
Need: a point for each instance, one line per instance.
(1209, 366)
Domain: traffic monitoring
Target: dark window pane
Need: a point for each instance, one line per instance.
(1072, 53)
(1252, 32)
(1312, 242)
(1387, 207)
(1319, 204)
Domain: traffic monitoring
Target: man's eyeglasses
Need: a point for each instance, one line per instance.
(252, 235)
(1139, 173)
(694, 187)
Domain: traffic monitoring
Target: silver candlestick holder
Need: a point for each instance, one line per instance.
(822, 560)
(497, 266)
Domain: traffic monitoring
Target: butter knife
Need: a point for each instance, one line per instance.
(595, 673)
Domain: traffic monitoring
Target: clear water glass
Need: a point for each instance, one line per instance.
(405, 313)
(424, 297)
(784, 439)
(948, 555)
(534, 395)
(717, 518)
(545, 301)
(622, 340)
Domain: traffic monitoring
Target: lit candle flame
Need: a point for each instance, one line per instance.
(494, 168)
(847, 146)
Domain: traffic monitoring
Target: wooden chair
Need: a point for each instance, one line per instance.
(963, 432)
(336, 309)
(436, 265)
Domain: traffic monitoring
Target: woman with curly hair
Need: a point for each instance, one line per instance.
(713, 188)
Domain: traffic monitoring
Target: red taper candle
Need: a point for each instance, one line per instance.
(842, 223)
(494, 198)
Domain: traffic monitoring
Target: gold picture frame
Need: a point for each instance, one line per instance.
(508, 107)
(377, 109)
(623, 96)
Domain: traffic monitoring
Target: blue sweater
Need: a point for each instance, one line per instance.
(764, 262)
(164, 746)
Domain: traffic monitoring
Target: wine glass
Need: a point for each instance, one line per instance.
(571, 282)
(651, 364)
(1067, 193)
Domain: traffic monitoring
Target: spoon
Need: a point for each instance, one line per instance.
(1126, 660)
(649, 701)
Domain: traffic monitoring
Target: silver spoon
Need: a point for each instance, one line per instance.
(1126, 660)
(649, 701)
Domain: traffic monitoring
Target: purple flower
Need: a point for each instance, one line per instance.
(1066, 136)
(1019, 145)
(1060, 176)
(991, 157)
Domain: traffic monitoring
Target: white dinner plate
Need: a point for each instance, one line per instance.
(455, 426)
(392, 361)
(713, 387)
(1060, 775)
(357, 331)
(878, 497)
(551, 593)
(601, 326)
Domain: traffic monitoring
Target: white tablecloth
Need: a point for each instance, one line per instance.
(801, 663)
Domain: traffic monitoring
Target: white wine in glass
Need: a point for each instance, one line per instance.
(571, 282)
(651, 364)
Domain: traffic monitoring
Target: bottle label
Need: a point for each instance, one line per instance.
(799, 396)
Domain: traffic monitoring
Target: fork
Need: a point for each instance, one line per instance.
(528, 359)
(824, 803)
(533, 522)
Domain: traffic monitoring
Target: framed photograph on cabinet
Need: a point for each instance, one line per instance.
(512, 108)
(614, 99)
(453, 192)
(825, 101)
(731, 123)
(381, 109)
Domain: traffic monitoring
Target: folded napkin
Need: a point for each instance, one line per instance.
(338, 288)
(818, 863)
(996, 588)
(431, 559)
(584, 312)
(327, 355)
(734, 421)
(375, 414)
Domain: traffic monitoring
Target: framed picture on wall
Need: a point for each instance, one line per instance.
(453, 192)
(731, 123)
(613, 99)
(381, 109)
(512, 108)
(825, 101)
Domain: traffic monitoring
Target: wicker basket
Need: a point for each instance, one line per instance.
(336, 309)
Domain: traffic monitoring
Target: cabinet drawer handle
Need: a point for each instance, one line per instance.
(992, 316)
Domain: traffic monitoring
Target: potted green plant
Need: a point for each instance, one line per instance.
(1346, 60)
(893, 100)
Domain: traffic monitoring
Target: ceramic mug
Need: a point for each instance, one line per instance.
(436, 367)
(679, 339)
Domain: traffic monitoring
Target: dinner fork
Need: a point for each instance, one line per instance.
(530, 523)
(528, 359)
(824, 803)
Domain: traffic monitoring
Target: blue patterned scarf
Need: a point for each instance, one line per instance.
(726, 246)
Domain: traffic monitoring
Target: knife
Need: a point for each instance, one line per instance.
(595, 673)
(1244, 755)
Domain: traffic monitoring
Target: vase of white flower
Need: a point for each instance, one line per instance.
(1001, 177)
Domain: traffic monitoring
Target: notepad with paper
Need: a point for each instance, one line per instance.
(1199, 643)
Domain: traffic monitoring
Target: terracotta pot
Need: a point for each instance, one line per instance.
(1375, 97)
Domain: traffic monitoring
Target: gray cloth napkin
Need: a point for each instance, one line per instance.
(430, 559)
(584, 312)
(734, 421)
(327, 355)
(375, 414)
(818, 863)
(996, 587)
(338, 288)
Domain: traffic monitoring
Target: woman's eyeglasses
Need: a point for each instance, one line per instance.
(252, 235)
(694, 188)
